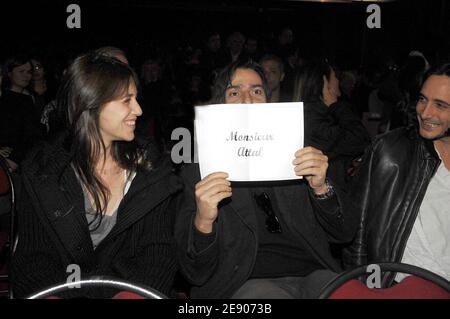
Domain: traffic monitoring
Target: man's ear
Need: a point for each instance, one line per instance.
(282, 77)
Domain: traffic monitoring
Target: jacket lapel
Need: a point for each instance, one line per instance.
(147, 190)
(65, 211)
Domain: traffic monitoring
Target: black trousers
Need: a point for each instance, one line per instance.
(307, 287)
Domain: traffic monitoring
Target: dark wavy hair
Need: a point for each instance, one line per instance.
(308, 83)
(223, 79)
(410, 109)
(91, 81)
(441, 69)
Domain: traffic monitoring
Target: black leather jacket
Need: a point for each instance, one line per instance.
(388, 191)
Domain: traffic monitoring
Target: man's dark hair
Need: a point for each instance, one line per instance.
(223, 79)
(441, 69)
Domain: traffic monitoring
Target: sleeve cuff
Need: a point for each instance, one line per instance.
(202, 240)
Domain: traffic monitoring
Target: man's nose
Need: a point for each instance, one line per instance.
(428, 111)
(247, 98)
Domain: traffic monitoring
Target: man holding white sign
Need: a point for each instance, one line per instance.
(259, 240)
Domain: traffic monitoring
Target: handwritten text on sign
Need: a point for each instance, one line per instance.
(251, 142)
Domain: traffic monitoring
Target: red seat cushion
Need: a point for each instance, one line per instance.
(127, 295)
(411, 287)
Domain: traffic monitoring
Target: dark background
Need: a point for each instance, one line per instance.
(337, 30)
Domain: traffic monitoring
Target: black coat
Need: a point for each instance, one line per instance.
(219, 270)
(53, 230)
(388, 191)
(338, 133)
(20, 124)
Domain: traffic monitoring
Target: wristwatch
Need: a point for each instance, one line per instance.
(330, 192)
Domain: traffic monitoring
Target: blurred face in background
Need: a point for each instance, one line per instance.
(251, 46)
(236, 42)
(20, 77)
(151, 71)
(273, 73)
(214, 43)
(286, 37)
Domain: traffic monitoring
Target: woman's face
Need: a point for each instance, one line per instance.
(20, 76)
(117, 118)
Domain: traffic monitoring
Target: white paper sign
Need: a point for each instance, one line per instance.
(250, 142)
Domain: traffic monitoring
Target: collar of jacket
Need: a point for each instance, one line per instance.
(426, 147)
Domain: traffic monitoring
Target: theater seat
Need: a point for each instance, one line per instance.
(128, 290)
(422, 284)
(7, 216)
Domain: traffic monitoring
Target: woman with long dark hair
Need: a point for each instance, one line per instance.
(96, 197)
(330, 124)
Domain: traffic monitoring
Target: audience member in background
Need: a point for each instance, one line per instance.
(96, 197)
(234, 50)
(19, 117)
(273, 68)
(39, 85)
(251, 48)
(330, 124)
(211, 58)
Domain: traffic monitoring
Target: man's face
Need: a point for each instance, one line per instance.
(433, 107)
(214, 43)
(246, 87)
(273, 73)
(251, 46)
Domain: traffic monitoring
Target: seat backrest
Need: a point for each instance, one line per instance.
(7, 208)
(421, 284)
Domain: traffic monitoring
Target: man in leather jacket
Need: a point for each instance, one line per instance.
(403, 189)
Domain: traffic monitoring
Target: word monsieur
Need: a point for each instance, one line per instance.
(235, 136)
